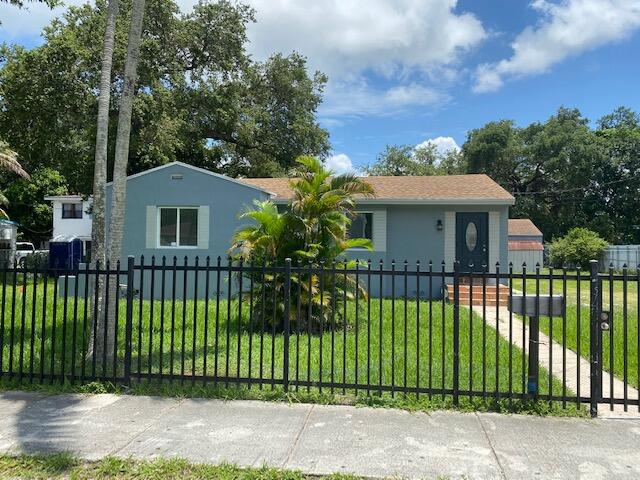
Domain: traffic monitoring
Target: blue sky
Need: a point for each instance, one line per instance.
(414, 71)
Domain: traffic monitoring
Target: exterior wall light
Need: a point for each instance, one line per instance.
(439, 225)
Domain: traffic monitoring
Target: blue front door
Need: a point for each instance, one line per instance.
(472, 238)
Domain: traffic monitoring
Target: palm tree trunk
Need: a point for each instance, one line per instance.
(119, 188)
(100, 166)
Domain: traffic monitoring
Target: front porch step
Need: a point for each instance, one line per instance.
(489, 295)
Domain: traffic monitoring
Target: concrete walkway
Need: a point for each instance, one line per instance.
(499, 316)
(321, 439)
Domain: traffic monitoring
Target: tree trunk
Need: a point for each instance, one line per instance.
(100, 166)
(119, 186)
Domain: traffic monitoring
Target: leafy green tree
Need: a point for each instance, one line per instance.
(28, 203)
(20, 3)
(9, 163)
(613, 203)
(425, 160)
(549, 167)
(621, 117)
(200, 97)
(314, 230)
(495, 149)
(577, 248)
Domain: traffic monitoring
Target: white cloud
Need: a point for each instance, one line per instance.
(340, 163)
(358, 97)
(566, 28)
(442, 144)
(408, 44)
(343, 37)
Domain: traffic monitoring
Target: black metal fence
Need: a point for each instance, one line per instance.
(423, 330)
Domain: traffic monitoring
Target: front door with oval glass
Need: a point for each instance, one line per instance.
(472, 240)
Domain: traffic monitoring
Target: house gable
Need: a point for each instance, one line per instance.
(174, 169)
(211, 203)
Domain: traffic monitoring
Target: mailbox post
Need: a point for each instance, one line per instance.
(535, 306)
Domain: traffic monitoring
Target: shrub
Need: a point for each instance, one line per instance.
(577, 248)
(38, 260)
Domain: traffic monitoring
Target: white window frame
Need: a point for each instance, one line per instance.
(159, 226)
(373, 215)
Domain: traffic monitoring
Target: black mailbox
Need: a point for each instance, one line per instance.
(540, 305)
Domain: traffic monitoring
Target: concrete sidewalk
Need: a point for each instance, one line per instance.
(321, 439)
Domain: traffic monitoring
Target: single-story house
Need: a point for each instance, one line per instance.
(525, 244)
(184, 211)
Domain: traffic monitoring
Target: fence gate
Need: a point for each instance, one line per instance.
(615, 338)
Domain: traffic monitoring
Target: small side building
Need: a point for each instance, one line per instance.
(525, 244)
(72, 218)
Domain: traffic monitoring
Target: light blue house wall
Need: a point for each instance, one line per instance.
(412, 234)
(402, 231)
(220, 200)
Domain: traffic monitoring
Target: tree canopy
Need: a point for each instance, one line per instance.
(566, 174)
(20, 3)
(200, 97)
(399, 160)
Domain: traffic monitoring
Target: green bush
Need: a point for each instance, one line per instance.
(577, 248)
(39, 260)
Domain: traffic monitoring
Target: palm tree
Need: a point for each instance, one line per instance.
(119, 185)
(9, 161)
(119, 188)
(314, 230)
(102, 137)
(98, 249)
(324, 203)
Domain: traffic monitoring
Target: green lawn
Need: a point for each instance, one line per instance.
(64, 466)
(613, 357)
(580, 290)
(367, 352)
(576, 327)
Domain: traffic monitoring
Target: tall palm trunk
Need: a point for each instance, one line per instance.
(102, 137)
(100, 166)
(119, 186)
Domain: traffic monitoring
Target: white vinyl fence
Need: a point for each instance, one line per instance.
(620, 255)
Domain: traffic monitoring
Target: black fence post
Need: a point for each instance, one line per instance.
(595, 309)
(129, 321)
(287, 323)
(456, 331)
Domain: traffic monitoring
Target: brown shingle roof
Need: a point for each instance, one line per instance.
(437, 188)
(522, 226)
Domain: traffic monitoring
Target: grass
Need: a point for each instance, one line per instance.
(616, 297)
(65, 466)
(579, 292)
(576, 328)
(404, 345)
